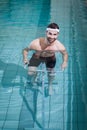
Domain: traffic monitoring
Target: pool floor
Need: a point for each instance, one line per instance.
(23, 107)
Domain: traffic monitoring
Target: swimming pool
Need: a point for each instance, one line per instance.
(22, 21)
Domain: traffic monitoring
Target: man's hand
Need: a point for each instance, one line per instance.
(26, 61)
(64, 65)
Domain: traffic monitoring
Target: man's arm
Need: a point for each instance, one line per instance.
(25, 55)
(65, 58)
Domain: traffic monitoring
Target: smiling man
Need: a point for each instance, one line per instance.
(44, 51)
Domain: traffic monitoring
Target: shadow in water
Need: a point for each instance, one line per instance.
(15, 76)
(12, 75)
(29, 109)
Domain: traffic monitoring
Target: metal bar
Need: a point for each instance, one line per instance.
(48, 71)
(43, 99)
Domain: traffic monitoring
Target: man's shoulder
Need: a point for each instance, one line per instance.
(35, 44)
(38, 39)
(35, 40)
(58, 42)
(60, 45)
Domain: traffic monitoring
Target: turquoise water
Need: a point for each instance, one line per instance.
(22, 21)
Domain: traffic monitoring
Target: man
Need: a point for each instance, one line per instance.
(45, 49)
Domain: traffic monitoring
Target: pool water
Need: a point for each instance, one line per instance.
(24, 108)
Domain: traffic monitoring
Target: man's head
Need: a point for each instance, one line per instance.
(52, 32)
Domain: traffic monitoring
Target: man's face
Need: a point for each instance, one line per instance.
(51, 35)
